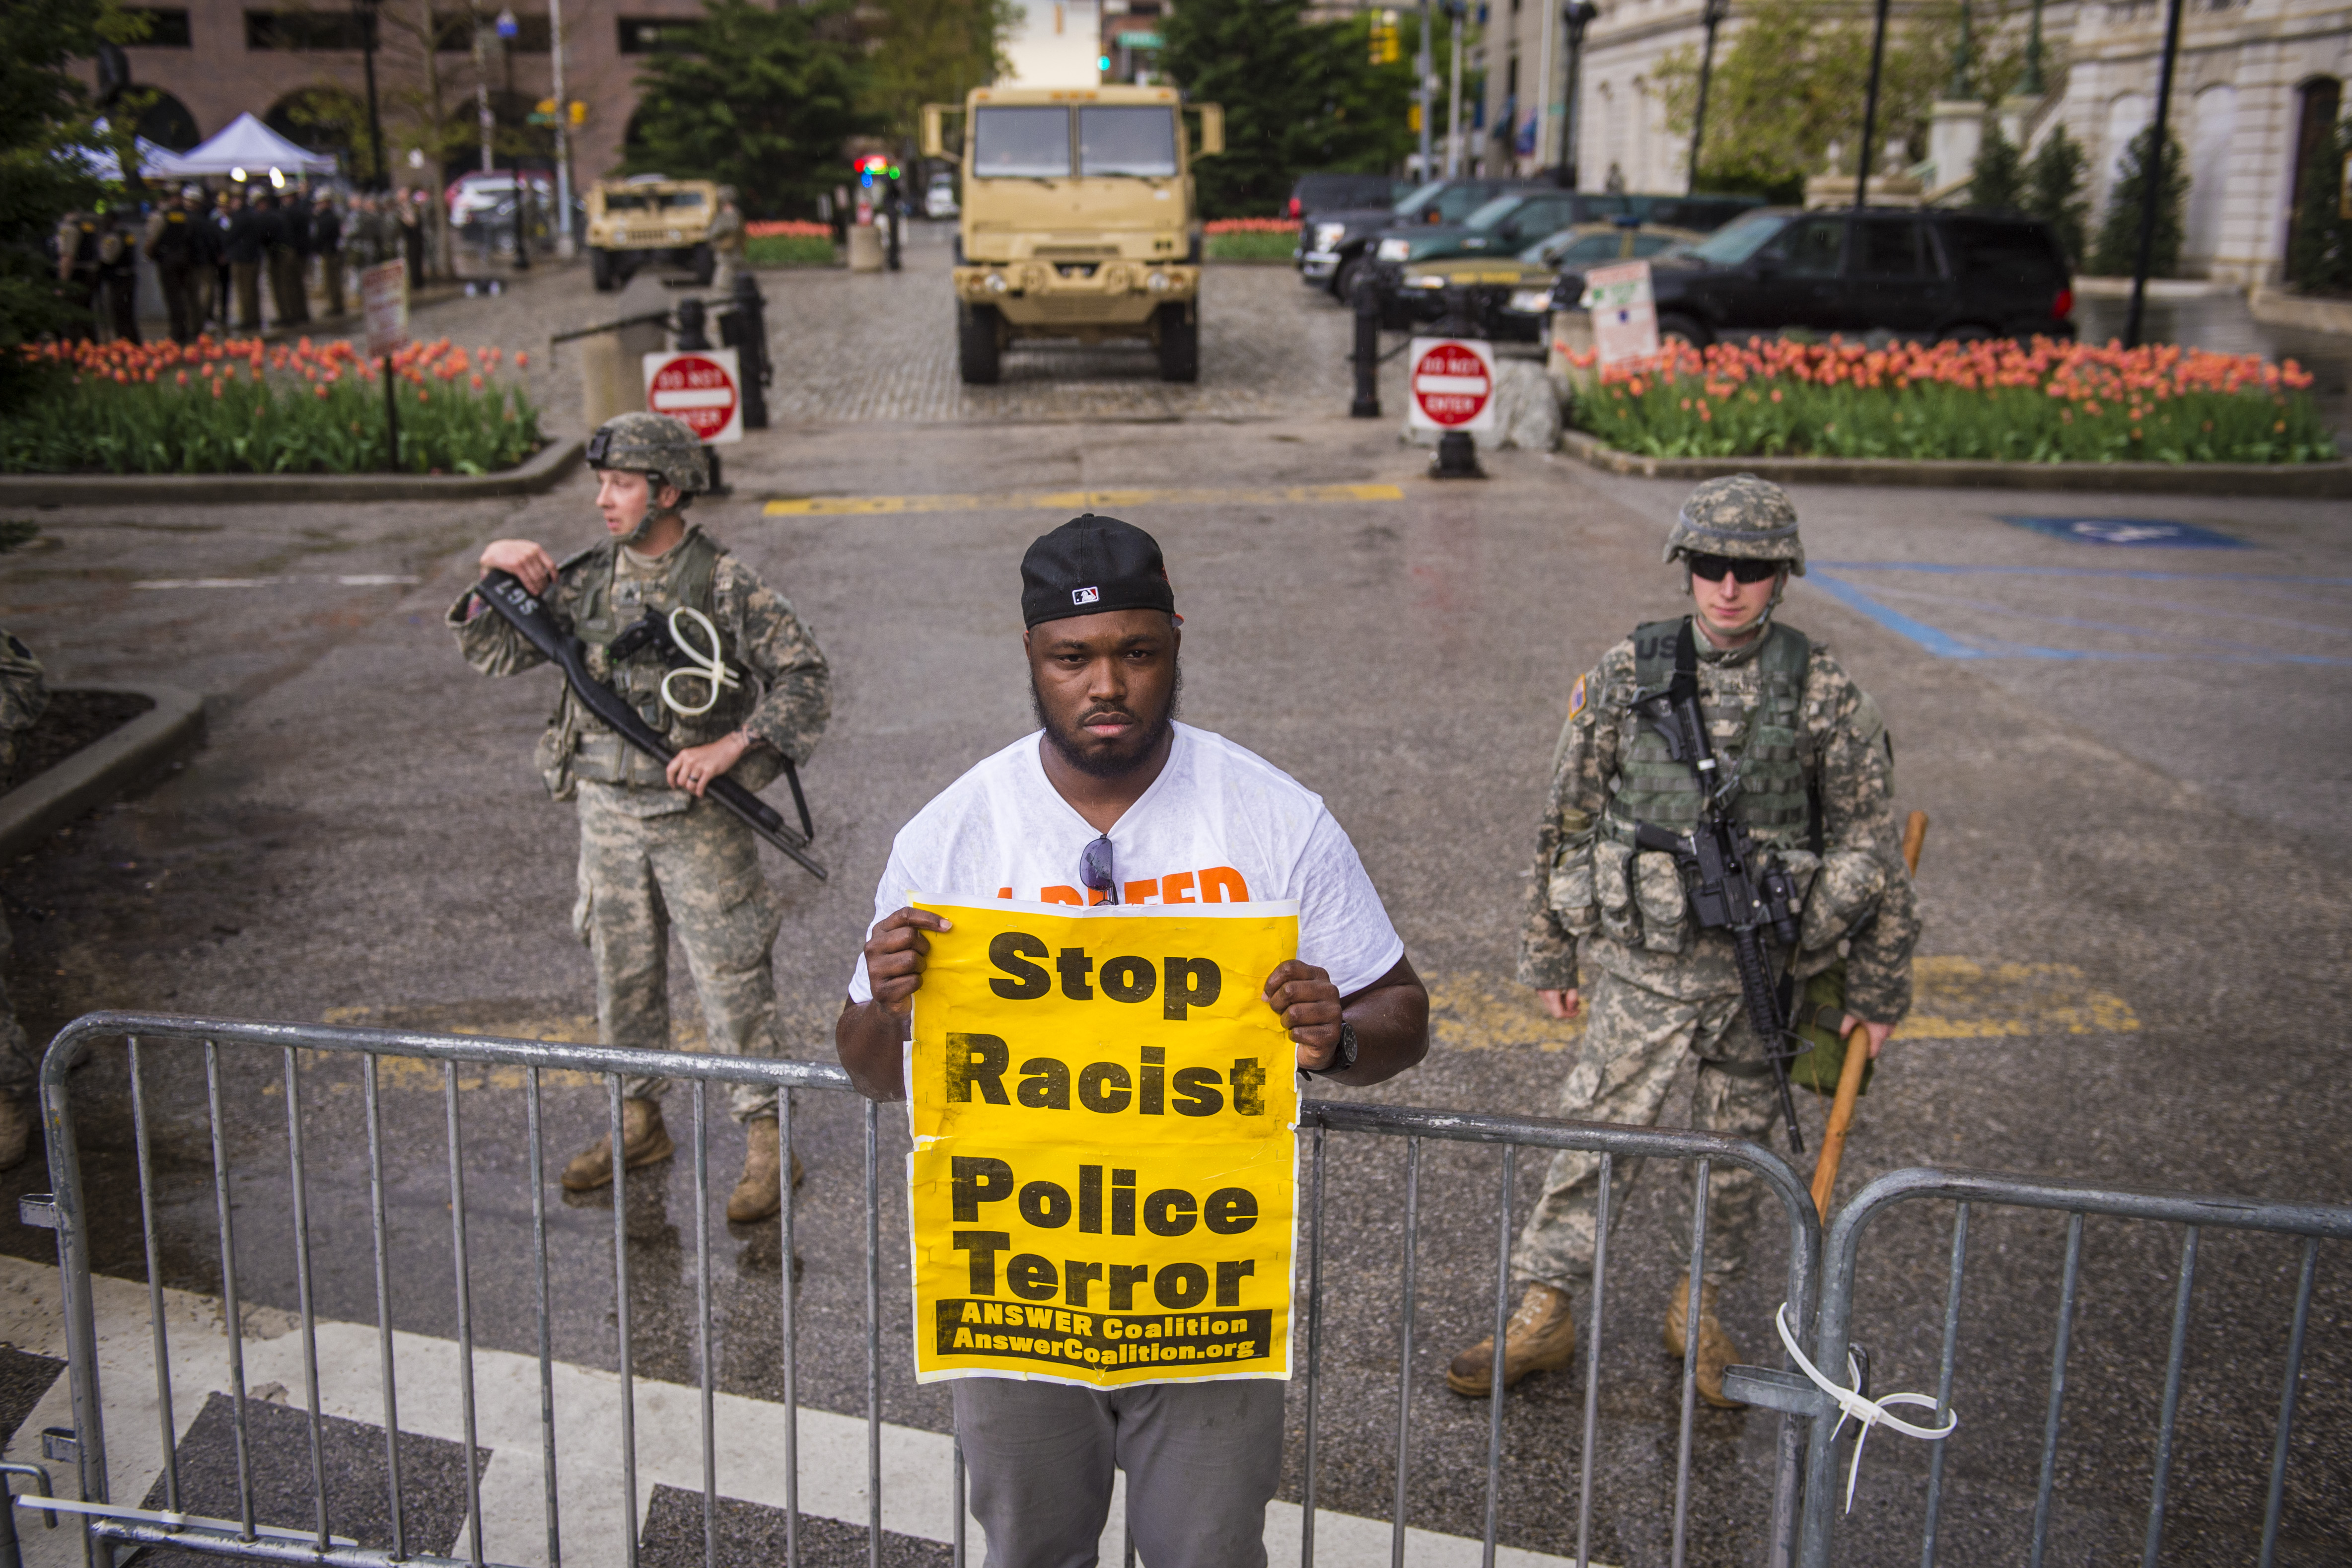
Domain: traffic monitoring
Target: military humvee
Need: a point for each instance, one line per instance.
(645, 221)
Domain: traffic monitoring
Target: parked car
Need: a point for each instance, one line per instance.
(1924, 275)
(1316, 193)
(1337, 245)
(939, 196)
(488, 195)
(1508, 298)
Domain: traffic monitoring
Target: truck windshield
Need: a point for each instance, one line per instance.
(642, 201)
(1138, 141)
(1029, 143)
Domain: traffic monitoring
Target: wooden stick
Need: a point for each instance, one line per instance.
(1857, 1055)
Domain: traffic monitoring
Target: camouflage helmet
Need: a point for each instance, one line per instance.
(1743, 517)
(661, 445)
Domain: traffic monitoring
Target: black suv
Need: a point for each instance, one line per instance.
(1320, 192)
(1335, 246)
(1908, 274)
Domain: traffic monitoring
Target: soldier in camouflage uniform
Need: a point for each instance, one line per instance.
(1817, 773)
(654, 856)
(24, 694)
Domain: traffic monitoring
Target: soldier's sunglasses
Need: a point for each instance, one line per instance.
(1711, 568)
(1095, 870)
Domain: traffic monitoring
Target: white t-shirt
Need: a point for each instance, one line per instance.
(1219, 825)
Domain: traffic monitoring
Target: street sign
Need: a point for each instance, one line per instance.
(702, 386)
(1453, 383)
(383, 300)
(1625, 314)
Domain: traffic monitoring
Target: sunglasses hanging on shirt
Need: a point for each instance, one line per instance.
(1095, 870)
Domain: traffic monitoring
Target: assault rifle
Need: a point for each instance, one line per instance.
(1733, 886)
(524, 611)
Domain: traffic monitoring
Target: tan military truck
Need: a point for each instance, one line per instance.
(649, 221)
(1079, 220)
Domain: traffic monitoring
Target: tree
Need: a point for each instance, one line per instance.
(2054, 191)
(762, 100)
(1790, 88)
(1297, 96)
(2321, 255)
(46, 113)
(1997, 179)
(2117, 252)
(933, 51)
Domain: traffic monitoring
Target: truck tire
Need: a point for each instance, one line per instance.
(1178, 341)
(976, 347)
(706, 265)
(600, 270)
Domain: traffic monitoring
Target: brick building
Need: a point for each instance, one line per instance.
(214, 59)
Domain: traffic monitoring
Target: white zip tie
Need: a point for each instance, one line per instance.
(707, 667)
(1865, 1412)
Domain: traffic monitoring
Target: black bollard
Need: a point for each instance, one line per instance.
(718, 478)
(744, 328)
(893, 206)
(691, 335)
(1368, 349)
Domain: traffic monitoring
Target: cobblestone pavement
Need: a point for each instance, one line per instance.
(881, 346)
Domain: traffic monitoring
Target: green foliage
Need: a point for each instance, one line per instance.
(789, 250)
(2117, 252)
(2054, 191)
(1297, 96)
(933, 51)
(1929, 420)
(89, 423)
(1997, 179)
(1260, 246)
(15, 532)
(762, 100)
(1792, 82)
(44, 111)
(2321, 256)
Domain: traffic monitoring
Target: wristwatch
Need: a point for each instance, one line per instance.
(1345, 1057)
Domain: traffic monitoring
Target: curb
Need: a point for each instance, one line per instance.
(550, 464)
(110, 766)
(2281, 308)
(2315, 481)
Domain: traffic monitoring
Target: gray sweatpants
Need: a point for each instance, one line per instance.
(1202, 1461)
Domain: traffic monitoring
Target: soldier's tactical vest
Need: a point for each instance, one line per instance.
(1766, 744)
(577, 745)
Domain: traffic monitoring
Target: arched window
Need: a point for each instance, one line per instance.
(2319, 103)
(167, 123)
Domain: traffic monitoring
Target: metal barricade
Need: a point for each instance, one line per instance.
(107, 1525)
(1968, 1190)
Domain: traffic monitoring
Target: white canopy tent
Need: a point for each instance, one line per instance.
(156, 161)
(250, 148)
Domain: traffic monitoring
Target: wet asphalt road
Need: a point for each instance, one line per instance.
(2135, 927)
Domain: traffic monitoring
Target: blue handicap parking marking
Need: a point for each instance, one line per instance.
(2140, 532)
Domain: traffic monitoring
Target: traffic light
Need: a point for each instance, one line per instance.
(874, 166)
(1386, 47)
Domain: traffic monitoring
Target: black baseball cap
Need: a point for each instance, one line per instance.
(1091, 564)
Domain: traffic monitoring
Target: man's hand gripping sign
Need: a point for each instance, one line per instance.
(1105, 1166)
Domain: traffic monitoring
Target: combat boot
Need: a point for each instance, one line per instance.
(16, 1120)
(1541, 1337)
(644, 1142)
(1715, 1350)
(757, 1197)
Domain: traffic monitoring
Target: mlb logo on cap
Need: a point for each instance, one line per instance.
(1085, 595)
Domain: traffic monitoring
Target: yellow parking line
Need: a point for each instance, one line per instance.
(1082, 501)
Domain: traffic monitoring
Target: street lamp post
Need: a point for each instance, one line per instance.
(366, 12)
(1454, 95)
(562, 132)
(1575, 17)
(2151, 176)
(1427, 66)
(2031, 85)
(1715, 11)
(1870, 108)
(510, 30)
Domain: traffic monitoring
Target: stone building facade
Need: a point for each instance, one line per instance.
(2257, 82)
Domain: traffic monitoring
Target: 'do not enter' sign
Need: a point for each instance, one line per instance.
(1453, 383)
(702, 386)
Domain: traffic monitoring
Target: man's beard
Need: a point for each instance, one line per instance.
(1115, 762)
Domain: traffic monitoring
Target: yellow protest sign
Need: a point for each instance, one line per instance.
(1103, 1182)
